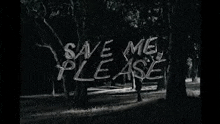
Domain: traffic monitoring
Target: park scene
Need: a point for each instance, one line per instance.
(110, 61)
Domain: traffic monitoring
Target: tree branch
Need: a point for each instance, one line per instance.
(55, 34)
(52, 51)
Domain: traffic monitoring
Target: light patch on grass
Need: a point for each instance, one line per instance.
(95, 91)
(123, 90)
(190, 80)
(42, 95)
(106, 109)
(193, 93)
(94, 110)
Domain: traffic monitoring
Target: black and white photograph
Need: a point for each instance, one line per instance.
(110, 62)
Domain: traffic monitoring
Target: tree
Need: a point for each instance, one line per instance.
(130, 20)
(34, 14)
(76, 13)
(40, 13)
(180, 25)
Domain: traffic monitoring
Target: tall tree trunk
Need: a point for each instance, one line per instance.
(80, 98)
(79, 15)
(176, 89)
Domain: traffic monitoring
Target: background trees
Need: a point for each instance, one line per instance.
(51, 24)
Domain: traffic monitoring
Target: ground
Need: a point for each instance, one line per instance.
(114, 105)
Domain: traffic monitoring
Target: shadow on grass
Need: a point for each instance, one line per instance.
(160, 111)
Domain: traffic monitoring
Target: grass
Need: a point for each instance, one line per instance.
(116, 108)
(155, 111)
(155, 105)
(98, 110)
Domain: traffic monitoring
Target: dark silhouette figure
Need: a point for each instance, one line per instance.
(138, 83)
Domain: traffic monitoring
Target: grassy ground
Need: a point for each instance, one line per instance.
(115, 108)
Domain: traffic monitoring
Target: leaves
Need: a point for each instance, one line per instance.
(101, 19)
(61, 10)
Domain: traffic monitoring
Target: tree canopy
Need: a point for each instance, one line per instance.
(52, 24)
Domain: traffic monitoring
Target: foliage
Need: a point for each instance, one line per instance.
(99, 20)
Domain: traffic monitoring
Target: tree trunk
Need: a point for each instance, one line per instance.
(176, 88)
(65, 90)
(162, 82)
(194, 68)
(53, 91)
(178, 23)
(80, 96)
(138, 84)
(112, 82)
(124, 79)
(79, 15)
(133, 81)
